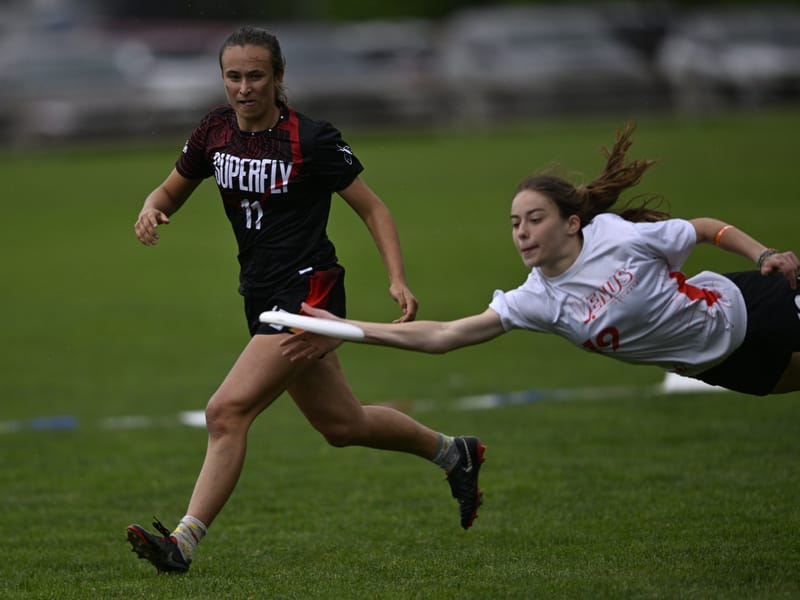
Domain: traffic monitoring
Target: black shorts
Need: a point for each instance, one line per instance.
(773, 334)
(321, 289)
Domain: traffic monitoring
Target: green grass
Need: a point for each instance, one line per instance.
(691, 496)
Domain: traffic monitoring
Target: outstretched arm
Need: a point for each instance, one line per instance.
(379, 222)
(435, 337)
(728, 237)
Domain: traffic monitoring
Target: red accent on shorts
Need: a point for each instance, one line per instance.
(692, 291)
(320, 285)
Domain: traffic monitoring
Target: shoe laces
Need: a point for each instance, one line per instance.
(161, 529)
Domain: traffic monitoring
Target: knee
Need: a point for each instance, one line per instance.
(222, 417)
(338, 435)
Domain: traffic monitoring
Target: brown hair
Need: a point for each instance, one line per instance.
(601, 194)
(254, 36)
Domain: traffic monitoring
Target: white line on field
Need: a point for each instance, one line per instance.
(672, 384)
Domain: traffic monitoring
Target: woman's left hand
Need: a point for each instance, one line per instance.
(407, 301)
(785, 263)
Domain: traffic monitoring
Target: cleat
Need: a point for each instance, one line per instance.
(162, 552)
(463, 478)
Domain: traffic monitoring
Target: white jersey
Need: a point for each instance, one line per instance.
(625, 297)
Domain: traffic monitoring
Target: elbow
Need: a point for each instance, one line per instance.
(708, 230)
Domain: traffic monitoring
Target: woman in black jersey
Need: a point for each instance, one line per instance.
(276, 171)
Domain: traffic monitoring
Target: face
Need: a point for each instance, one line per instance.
(251, 85)
(543, 238)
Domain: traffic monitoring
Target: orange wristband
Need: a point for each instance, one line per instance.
(718, 237)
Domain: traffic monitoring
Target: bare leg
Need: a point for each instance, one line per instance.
(331, 407)
(258, 377)
(327, 401)
(790, 380)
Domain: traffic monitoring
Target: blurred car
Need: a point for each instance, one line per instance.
(182, 79)
(513, 61)
(744, 56)
(371, 72)
(71, 84)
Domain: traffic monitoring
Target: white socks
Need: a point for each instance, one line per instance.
(188, 534)
(447, 453)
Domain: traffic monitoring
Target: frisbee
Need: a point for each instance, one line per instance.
(334, 329)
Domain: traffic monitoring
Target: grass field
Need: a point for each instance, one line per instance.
(631, 495)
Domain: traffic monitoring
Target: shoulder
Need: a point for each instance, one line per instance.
(608, 224)
(218, 119)
(609, 221)
(609, 227)
(222, 114)
(304, 118)
(668, 228)
(310, 129)
(611, 224)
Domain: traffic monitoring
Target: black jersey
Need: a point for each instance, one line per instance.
(276, 187)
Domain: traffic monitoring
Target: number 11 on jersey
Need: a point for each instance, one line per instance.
(251, 208)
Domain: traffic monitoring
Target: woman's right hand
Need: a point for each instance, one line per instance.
(147, 223)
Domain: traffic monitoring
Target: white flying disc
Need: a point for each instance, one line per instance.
(335, 329)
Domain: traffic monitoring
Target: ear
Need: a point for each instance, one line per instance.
(573, 224)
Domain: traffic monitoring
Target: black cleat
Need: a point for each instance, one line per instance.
(162, 552)
(463, 478)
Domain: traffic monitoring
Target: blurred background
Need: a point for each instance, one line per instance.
(119, 69)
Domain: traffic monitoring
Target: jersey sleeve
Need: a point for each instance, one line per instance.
(526, 307)
(335, 165)
(674, 239)
(193, 162)
(499, 304)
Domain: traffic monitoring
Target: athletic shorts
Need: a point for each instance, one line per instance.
(773, 334)
(321, 289)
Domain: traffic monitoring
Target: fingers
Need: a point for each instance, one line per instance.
(408, 304)
(320, 313)
(785, 263)
(307, 346)
(146, 226)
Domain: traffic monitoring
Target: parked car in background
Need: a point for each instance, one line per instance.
(181, 80)
(370, 72)
(733, 56)
(71, 84)
(65, 76)
(523, 61)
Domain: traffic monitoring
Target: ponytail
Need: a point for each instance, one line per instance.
(601, 194)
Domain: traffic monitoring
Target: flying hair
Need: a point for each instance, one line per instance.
(603, 193)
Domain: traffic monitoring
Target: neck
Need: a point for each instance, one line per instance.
(268, 121)
(562, 263)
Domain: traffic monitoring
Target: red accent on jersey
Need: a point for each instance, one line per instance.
(320, 285)
(292, 124)
(276, 186)
(694, 292)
